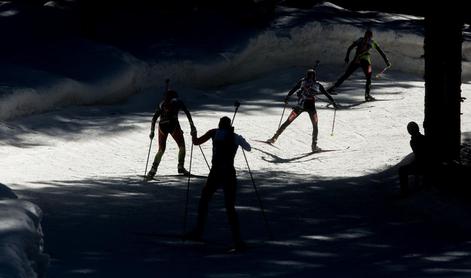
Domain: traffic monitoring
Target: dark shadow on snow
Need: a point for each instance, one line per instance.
(322, 226)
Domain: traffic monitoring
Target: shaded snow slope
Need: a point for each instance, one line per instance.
(68, 70)
(21, 238)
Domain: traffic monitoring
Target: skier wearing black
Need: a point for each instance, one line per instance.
(362, 59)
(306, 89)
(168, 110)
(222, 174)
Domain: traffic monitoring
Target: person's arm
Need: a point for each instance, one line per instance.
(198, 141)
(331, 99)
(347, 56)
(154, 120)
(188, 115)
(243, 143)
(380, 51)
(293, 90)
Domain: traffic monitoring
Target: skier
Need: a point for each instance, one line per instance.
(306, 89)
(168, 112)
(222, 174)
(362, 59)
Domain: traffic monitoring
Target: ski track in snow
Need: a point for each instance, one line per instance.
(82, 168)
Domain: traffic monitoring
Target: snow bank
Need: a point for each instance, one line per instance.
(21, 239)
(82, 72)
(107, 75)
(299, 38)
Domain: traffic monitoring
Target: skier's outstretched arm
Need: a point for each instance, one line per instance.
(154, 121)
(188, 115)
(243, 143)
(347, 56)
(200, 140)
(331, 99)
(380, 51)
(293, 90)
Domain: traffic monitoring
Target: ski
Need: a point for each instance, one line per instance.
(266, 142)
(156, 178)
(216, 247)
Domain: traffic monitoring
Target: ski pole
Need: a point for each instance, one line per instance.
(187, 191)
(236, 105)
(205, 160)
(377, 76)
(333, 122)
(270, 235)
(267, 226)
(148, 155)
(282, 114)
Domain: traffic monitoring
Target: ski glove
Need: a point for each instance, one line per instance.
(151, 135)
(193, 131)
(286, 100)
(347, 60)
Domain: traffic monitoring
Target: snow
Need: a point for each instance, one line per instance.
(21, 238)
(331, 213)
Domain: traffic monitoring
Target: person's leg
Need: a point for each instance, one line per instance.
(366, 67)
(158, 157)
(230, 189)
(177, 135)
(294, 114)
(404, 172)
(351, 68)
(206, 194)
(315, 130)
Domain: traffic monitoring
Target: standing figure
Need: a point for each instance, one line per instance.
(222, 174)
(168, 112)
(362, 59)
(306, 89)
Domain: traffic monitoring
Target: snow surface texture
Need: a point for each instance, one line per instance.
(81, 165)
(97, 73)
(21, 238)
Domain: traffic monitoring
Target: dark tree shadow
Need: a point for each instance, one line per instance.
(322, 226)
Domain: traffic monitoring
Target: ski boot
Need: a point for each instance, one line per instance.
(315, 148)
(183, 171)
(369, 98)
(150, 175)
(271, 140)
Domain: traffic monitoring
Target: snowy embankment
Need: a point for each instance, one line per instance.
(76, 71)
(21, 238)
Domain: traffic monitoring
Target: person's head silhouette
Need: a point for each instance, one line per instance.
(413, 128)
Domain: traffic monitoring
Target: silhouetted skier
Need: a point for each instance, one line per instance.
(362, 59)
(168, 112)
(422, 158)
(306, 89)
(222, 174)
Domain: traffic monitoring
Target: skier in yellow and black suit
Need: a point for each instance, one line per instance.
(362, 59)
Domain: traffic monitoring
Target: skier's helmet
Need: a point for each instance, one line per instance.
(311, 73)
(413, 128)
(368, 34)
(225, 123)
(171, 94)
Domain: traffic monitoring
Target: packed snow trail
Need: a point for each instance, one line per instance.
(332, 213)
